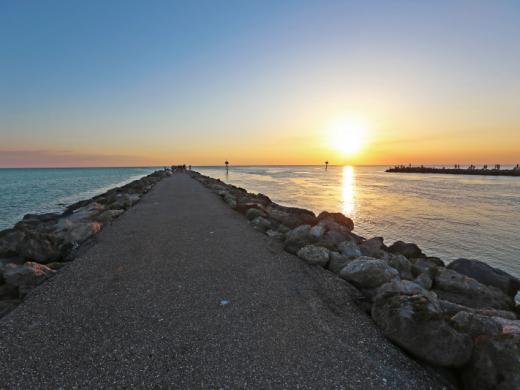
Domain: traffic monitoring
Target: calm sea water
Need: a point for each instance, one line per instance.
(448, 216)
(28, 190)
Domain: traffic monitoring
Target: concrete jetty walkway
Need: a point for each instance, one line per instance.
(180, 292)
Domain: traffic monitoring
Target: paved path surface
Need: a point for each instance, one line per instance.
(145, 307)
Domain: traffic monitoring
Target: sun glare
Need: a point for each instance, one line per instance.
(347, 136)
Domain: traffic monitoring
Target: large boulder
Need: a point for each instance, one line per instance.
(10, 241)
(450, 308)
(297, 238)
(349, 248)
(42, 248)
(403, 287)
(374, 247)
(463, 290)
(495, 364)
(401, 264)
(406, 249)
(80, 232)
(229, 199)
(334, 235)
(486, 274)
(338, 218)
(416, 324)
(368, 272)
(291, 216)
(317, 232)
(338, 262)
(108, 215)
(254, 212)
(85, 213)
(425, 264)
(508, 325)
(26, 276)
(425, 280)
(123, 201)
(261, 224)
(475, 324)
(314, 255)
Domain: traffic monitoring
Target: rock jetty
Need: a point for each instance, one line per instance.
(40, 244)
(471, 170)
(461, 317)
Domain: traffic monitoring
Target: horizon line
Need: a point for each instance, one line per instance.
(240, 165)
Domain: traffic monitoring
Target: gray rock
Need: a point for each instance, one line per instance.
(404, 287)
(291, 217)
(402, 264)
(297, 238)
(332, 226)
(508, 326)
(85, 213)
(368, 272)
(475, 324)
(426, 264)
(374, 247)
(487, 275)
(10, 241)
(332, 238)
(338, 262)
(450, 308)
(109, 215)
(317, 232)
(495, 364)
(314, 255)
(123, 201)
(338, 218)
(408, 250)
(425, 280)
(260, 223)
(415, 323)
(275, 234)
(80, 232)
(244, 204)
(283, 229)
(27, 276)
(454, 287)
(230, 200)
(349, 248)
(254, 212)
(42, 248)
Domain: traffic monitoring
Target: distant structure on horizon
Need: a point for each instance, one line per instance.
(457, 170)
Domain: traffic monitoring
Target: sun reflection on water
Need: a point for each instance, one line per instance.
(348, 190)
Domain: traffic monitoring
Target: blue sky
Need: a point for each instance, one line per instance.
(149, 82)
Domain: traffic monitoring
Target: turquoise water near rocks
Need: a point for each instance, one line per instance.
(449, 216)
(42, 190)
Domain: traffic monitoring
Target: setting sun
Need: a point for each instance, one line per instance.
(348, 136)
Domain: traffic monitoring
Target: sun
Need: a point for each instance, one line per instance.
(347, 135)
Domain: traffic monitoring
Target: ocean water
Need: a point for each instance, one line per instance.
(44, 190)
(448, 216)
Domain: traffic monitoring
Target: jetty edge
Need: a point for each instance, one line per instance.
(40, 244)
(460, 316)
(180, 292)
(471, 170)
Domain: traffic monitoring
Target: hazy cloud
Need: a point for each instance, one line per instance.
(64, 158)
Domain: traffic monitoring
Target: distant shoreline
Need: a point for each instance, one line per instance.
(515, 172)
